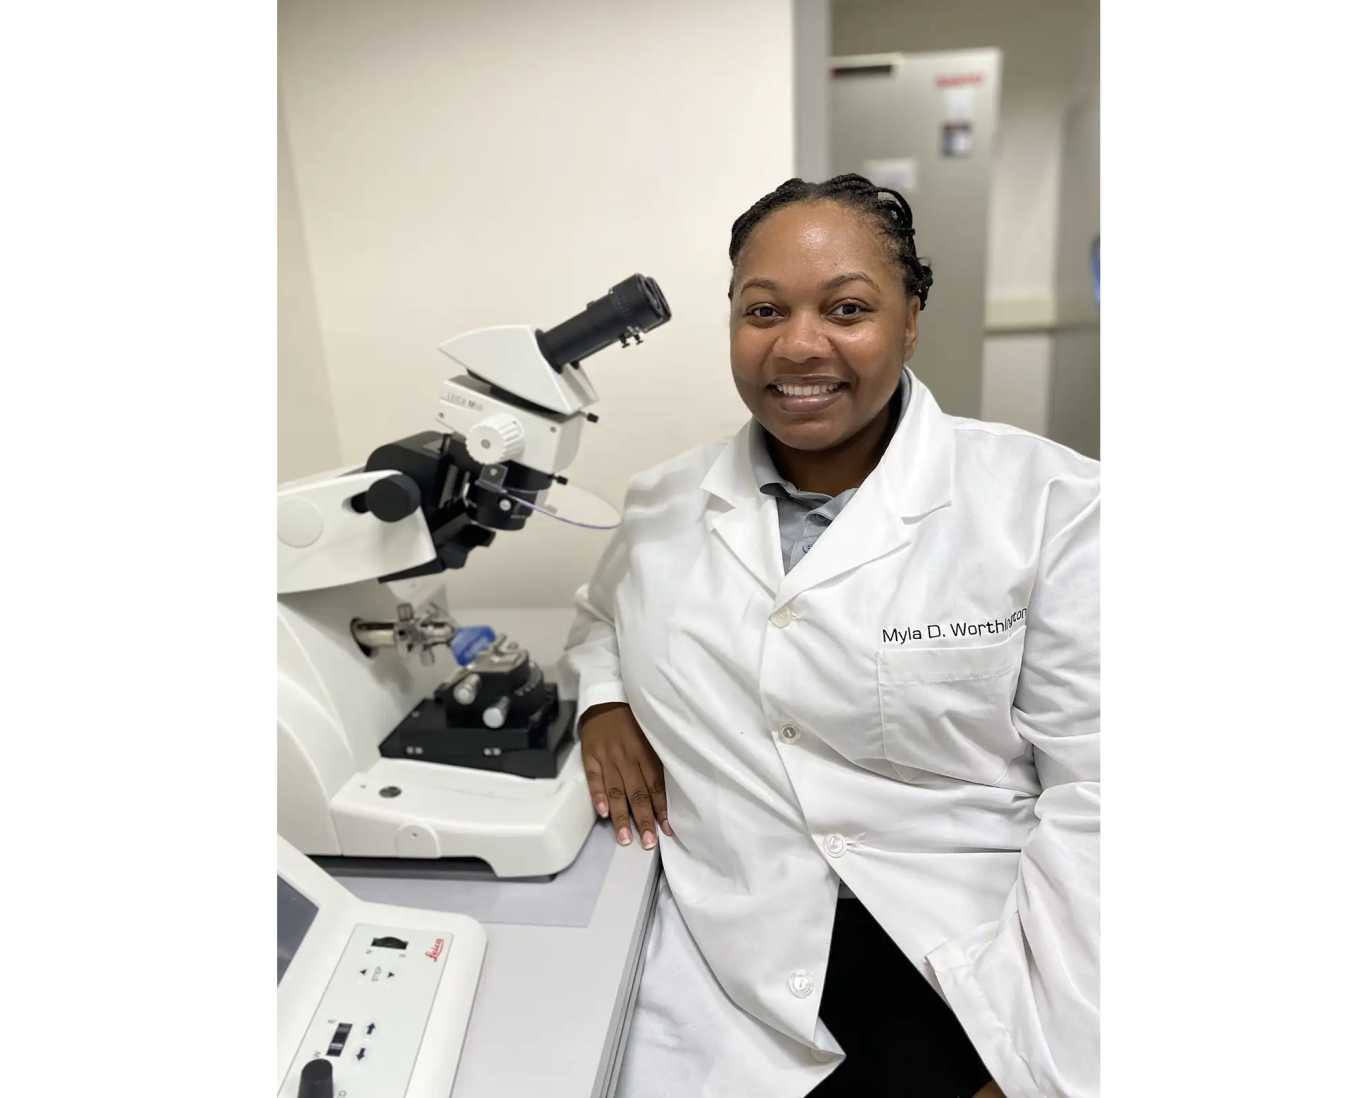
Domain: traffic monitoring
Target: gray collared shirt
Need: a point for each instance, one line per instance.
(802, 516)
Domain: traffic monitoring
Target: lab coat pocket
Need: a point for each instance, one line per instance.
(949, 710)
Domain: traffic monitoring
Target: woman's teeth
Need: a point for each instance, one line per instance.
(807, 390)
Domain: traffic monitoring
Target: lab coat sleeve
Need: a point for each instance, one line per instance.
(1026, 987)
(590, 663)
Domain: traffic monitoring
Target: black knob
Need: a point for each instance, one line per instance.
(393, 498)
(316, 1079)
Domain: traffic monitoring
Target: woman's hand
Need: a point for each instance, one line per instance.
(624, 773)
(989, 1090)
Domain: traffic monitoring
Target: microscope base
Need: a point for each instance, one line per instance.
(421, 811)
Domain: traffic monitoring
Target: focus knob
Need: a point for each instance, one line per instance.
(494, 716)
(393, 498)
(497, 439)
(466, 690)
(316, 1080)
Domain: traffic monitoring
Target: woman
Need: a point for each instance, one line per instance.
(848, 663)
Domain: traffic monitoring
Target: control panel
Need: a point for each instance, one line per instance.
(364, 1038)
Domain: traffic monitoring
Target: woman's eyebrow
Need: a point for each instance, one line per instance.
(847, 277)
(829, 284)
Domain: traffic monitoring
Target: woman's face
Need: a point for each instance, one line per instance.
(821, 326)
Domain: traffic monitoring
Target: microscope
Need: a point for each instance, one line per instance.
(401, 734)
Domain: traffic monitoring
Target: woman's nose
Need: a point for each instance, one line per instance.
(802, 338)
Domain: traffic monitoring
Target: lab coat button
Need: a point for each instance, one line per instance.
(781, 617)
(835, 845)
(801, 983)
(790, 733)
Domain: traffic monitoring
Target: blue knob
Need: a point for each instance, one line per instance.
(468, 643)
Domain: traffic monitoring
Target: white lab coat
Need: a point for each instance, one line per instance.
(913, 709)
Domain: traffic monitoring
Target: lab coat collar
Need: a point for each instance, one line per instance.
(913, 479)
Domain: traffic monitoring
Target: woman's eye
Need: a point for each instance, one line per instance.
(763, 312)
(849, 308)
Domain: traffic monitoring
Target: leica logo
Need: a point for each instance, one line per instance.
(435, 951)
(465, 402)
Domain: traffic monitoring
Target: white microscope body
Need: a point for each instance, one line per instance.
(399, 735)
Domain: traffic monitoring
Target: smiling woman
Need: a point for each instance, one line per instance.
(825, 298)
(877, 764)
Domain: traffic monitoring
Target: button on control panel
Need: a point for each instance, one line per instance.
(372, 1018)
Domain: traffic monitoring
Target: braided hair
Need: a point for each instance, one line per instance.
(889, 211)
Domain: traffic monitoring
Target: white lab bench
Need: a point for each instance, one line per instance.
(564, 957)
(561, 972)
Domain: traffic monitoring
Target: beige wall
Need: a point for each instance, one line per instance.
(464, 163)
(307, 439)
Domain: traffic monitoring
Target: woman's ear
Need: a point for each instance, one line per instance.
(911, 325)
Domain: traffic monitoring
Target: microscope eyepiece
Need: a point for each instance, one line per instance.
(634, 306)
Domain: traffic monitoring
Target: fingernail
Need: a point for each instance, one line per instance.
(602, 807)
(648, 840)
(665, 826)
(625, 836)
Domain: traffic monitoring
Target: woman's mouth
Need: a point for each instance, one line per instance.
(804, 397)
